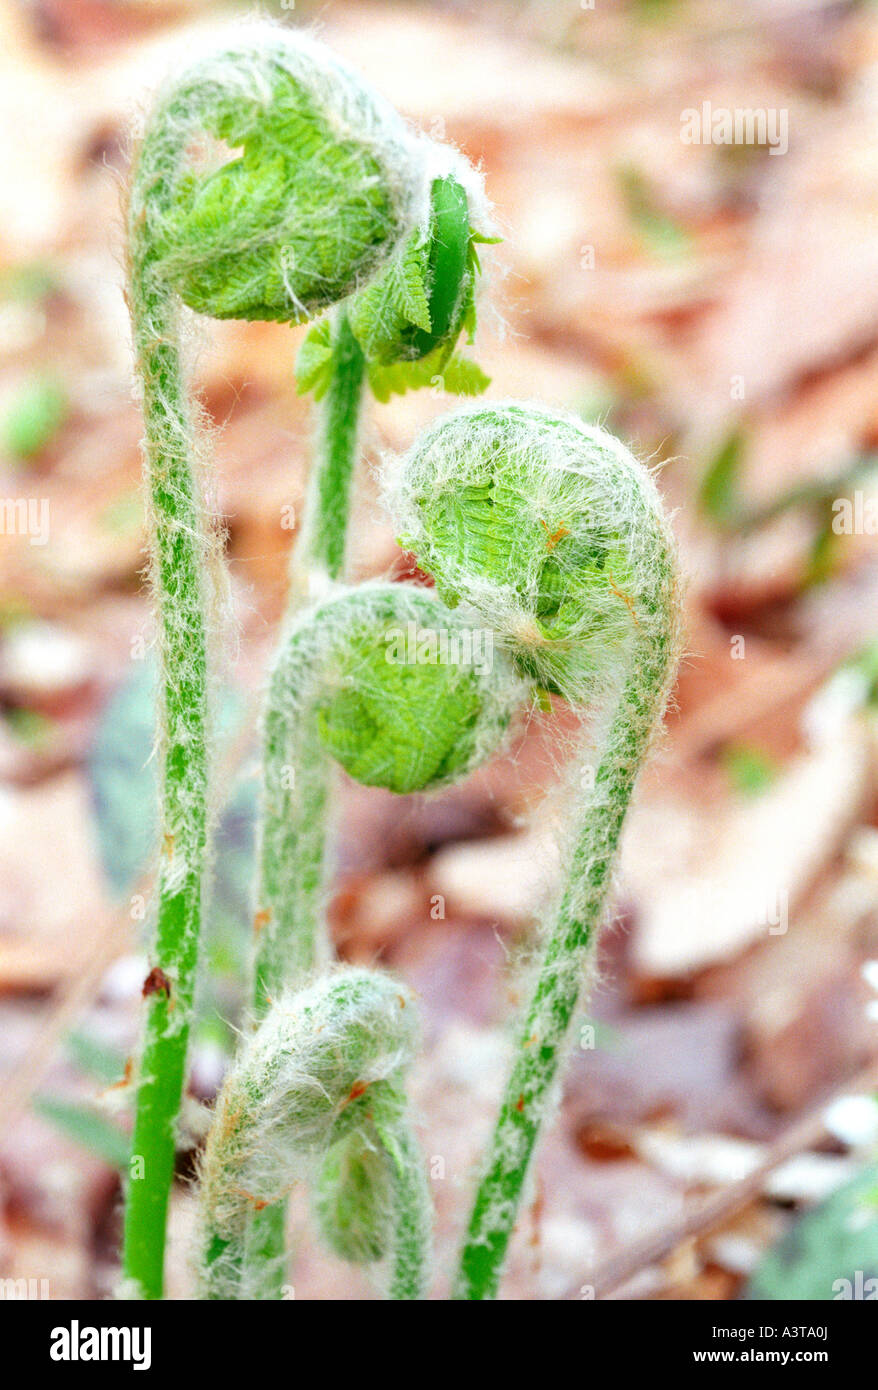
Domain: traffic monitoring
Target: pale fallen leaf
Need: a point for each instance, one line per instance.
(731, 878)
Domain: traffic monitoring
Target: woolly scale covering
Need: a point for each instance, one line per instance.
(548, 528)
(319, 1083)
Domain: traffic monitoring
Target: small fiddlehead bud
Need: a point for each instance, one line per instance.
(551, 531)
(325, 1067)
(407, 322)
(423, 298)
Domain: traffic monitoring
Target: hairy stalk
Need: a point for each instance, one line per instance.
(180, 548)
(528, 1095)
(316, 201)
(553, 533)
(325, 1068)
(410, 1214)
(321, 548)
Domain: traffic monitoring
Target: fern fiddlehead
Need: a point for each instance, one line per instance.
(551, 532)
(315, 202)
(320, 1082)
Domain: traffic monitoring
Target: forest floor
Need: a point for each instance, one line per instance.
(715, 305)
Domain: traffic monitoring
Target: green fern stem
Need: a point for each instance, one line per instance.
(179, 548)
(323, 543)
(562, 974)
(184, 838)
(410, 1214)
(292, 942)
